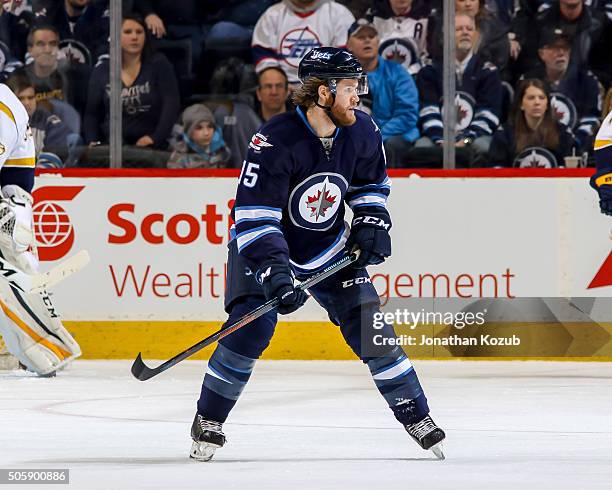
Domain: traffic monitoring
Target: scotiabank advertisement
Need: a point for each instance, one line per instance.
(158, 245)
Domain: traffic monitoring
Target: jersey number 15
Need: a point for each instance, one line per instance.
(249, 176)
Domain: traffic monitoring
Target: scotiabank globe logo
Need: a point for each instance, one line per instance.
(52, 227)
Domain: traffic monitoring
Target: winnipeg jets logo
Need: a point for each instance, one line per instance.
(315, 202)
(564, 109)
(258, 142)
(402, 51)
(296, 43)
(320, 203)
(535, 157)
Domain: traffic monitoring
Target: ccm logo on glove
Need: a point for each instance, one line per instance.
(371, 221)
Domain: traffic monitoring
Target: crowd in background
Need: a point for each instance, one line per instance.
(199, 78)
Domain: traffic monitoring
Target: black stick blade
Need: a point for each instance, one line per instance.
(140, 369)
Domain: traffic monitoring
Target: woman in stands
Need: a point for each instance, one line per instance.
(532, 137)
(150, 93)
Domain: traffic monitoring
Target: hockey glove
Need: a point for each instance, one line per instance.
(16, 225)
(277, 282)
(371, 235)
(603, 185)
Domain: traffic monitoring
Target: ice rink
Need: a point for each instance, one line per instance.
(316, 425)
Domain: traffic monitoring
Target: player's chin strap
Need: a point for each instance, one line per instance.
(328, 109)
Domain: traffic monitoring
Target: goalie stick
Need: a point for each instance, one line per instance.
(142, 372)
(34, 283)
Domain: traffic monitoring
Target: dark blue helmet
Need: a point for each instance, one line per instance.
(330, 63)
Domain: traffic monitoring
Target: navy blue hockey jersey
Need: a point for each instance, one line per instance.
(291, 193)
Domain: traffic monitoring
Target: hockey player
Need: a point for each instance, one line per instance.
(602, 180)
(301, 167)
(29, 323)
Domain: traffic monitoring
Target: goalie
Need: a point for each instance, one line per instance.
(29, 323)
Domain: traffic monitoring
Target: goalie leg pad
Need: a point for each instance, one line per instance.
(33, 331)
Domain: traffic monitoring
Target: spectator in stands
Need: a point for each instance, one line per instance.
(83, 27)
(198, 141)
(288, 30)
(178, 19)
(16, 18)
(272, 92)
(150, 93)
(533, 137)
(575, 90)
(232, 107)
(478, 100)
(395, 101)
(53, 139)
(403, 30)
(584, 26)
(493, 44)
(50, 76)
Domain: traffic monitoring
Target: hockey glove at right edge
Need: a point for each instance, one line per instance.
(602, 183)
(370, 233)
(277, 282)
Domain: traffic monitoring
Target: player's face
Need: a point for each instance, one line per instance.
(465, 32)
(556, 56)
(272, 91)
(401, 7)
(79, 4)
(44, 49)
(132, 37)
(28, 99)
(534, 102)
(203, 133)
(469, 7)
(346, 102)
(364, 45)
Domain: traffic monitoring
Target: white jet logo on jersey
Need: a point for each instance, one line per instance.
(320, 202)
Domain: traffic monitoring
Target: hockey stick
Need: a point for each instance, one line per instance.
(142, 372)
(28, 283)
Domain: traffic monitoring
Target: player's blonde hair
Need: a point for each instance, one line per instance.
(308, 92)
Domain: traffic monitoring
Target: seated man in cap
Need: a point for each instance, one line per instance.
(393, 99)
(574, 89)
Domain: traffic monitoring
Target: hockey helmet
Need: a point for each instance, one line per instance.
(332, 64)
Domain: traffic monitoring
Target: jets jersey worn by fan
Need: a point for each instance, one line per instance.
(290, 200)
(283, 35)
(17, 156)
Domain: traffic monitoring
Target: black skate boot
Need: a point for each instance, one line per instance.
(427, 435)
(207, 437)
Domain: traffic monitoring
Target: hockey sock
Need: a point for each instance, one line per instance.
(399, 384)
(226, 377)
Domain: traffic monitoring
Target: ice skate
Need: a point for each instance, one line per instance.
(207, 437)
(428, 435)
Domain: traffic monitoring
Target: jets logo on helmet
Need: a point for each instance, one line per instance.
(317, 55)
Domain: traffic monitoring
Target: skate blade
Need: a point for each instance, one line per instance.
(437, 449)
(202, 451)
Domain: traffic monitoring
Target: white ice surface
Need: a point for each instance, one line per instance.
(315, 425)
